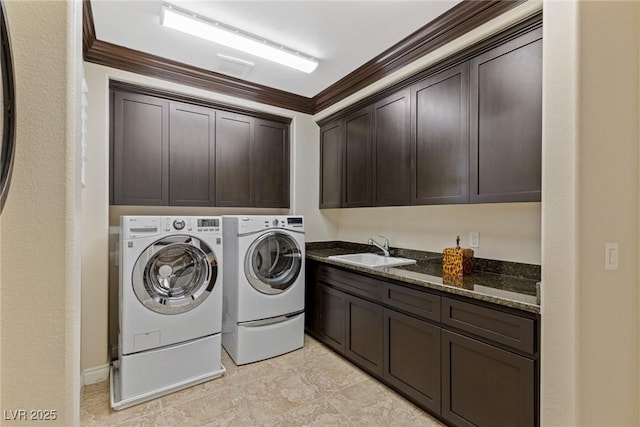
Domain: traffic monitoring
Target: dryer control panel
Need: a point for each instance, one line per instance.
(242, 225)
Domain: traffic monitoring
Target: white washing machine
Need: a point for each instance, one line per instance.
(263, 309)
(170, 306)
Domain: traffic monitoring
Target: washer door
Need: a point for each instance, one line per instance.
(175, 274)
(273, 262)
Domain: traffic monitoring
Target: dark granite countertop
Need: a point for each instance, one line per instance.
(505, 283)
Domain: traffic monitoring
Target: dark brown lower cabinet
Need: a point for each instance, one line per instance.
(332, 317)
(483, 385)
(364, 334)
(452, 357)
(412, 357)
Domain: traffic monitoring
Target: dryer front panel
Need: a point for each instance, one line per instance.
(273, 263)
(175, 274)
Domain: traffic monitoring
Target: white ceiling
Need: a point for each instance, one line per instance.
(342, 35)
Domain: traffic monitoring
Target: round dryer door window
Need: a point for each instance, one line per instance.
(273, 263)
(175, 274)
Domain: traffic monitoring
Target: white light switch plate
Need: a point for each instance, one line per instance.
(611, 256)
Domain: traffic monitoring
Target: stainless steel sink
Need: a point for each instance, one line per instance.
(372, 260)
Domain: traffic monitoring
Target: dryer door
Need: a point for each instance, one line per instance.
(273, 262)
(175, 274)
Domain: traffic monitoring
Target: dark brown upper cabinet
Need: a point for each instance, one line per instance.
(140, 150)
(192, 154)
(466, 130)
(170, 149)
(234, 160)
(440, 138)
(252, 162)
(345, 161)
(271, 159)
(392, 150)
(357, 159)
(331, 147)
(506, 121)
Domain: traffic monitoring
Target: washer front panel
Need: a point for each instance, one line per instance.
(175, 274)
(273, 262)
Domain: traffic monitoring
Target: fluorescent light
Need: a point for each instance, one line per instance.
(236, 39)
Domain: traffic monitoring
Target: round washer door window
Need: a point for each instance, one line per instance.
(175, 274)
(273, 263)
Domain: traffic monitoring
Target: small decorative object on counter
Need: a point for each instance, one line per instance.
(457, 261)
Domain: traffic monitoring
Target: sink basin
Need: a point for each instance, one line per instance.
(372, 260)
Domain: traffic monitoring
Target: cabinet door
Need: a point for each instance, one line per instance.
(192, 155)
(440, 138)
(483, 385)
(140, 135)
(332, 317)
(392, 150)
(271, 160)
(412, 358)
(364, 334)
(331, 146)
(234, 163)
(506, 121)
(357, 159)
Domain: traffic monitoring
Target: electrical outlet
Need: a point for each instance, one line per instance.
(474, 239)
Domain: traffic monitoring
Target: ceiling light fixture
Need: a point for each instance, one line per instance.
(234, 38)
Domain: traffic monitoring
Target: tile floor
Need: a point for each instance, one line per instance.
(310, 386)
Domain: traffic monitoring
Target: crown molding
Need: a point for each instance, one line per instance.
(457, 21)
(460, 19)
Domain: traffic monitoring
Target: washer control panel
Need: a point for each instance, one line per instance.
(134, 227)
(192, 224)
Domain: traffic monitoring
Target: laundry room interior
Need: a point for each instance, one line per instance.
(443, 232)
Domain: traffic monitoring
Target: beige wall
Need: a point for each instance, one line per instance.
(508, 231)
(40, 264)
(608, 200)
(590, 197)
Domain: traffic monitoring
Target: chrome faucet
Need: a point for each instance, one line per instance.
(384, 247)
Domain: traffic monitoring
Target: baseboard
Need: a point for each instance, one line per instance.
(95, 375)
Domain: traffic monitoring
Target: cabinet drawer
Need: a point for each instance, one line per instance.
(508, 329)
(354, 284)
(414, 301)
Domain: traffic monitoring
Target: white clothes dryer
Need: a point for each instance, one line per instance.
(263, 298)
(170, 313)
